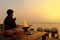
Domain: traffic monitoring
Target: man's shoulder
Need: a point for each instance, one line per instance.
(7, 18)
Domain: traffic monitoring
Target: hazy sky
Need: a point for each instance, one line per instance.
(44, 11)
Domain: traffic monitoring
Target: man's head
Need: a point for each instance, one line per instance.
(10, 12)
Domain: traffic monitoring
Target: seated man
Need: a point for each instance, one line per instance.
(9, 23)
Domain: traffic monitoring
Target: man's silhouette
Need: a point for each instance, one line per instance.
(9, 22)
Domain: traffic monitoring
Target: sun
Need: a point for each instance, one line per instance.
(53, 14)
